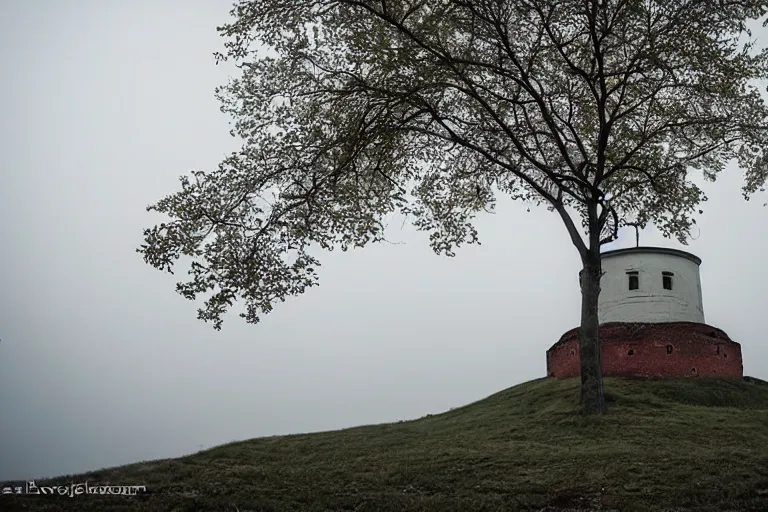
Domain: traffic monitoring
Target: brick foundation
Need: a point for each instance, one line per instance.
(653, 350)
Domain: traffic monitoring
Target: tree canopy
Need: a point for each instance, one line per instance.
(350, 110)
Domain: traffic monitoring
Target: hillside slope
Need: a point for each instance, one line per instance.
(689, 444)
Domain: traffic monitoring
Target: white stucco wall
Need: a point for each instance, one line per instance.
(651, 302)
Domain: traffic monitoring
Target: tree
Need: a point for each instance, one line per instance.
(350, 110)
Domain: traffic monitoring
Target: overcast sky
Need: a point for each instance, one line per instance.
(104, 105)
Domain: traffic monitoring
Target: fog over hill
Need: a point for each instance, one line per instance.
(104, 105)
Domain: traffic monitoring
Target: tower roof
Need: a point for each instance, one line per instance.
(653, 250)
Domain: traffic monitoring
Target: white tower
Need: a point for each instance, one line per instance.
(650, 284)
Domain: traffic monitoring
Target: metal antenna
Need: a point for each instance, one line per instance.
(637, 232)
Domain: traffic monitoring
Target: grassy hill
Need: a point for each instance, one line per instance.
(689, 444)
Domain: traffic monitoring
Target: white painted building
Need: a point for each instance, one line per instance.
(650, 284)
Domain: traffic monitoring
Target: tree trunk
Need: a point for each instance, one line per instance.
(592, 398)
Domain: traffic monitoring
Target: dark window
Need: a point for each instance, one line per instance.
(667, 278)
(631, 352)
(634, 280)
(669, 349)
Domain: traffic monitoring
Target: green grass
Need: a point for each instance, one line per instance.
(689, 444)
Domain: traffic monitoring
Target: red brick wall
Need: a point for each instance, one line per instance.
(653, 350)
